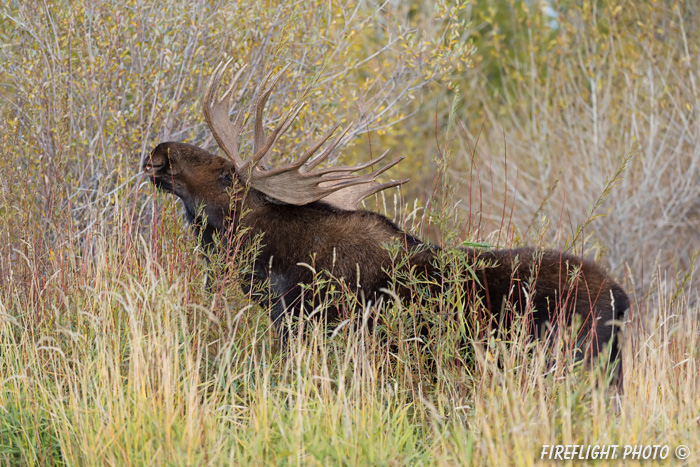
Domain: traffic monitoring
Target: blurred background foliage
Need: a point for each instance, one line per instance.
(561, 96)
(555, 93)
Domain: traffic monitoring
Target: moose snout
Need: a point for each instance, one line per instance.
(156, 162)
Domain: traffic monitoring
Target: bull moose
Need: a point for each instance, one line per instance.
(303, 213)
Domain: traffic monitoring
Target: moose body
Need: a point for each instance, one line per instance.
(325, 230)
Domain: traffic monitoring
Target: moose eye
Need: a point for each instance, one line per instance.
(226, 179)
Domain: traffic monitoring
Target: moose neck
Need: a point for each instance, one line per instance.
(211, 222)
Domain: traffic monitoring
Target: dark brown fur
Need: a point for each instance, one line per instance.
(344, 243)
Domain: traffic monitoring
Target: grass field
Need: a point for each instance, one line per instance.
(574, 128)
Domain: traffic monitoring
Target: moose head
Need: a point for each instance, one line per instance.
(200, 178)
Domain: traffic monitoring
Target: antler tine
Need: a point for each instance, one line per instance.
(377, 187)
(381, 170)
(279, 129)
(327, 152)
(260, 106)
(350, 197)
(364, 165)
(347, 180)
(216, 113)
(361, 180)
(259, 130)
(300, 162)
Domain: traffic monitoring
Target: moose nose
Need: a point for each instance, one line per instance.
(154, 163)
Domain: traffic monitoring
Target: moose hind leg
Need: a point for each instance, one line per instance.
(621, 306)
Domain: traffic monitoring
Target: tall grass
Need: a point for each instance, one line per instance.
(111, 351)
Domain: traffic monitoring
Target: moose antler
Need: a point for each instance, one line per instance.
(296, 182)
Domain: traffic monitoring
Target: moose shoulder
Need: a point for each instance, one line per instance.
(309, 216)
